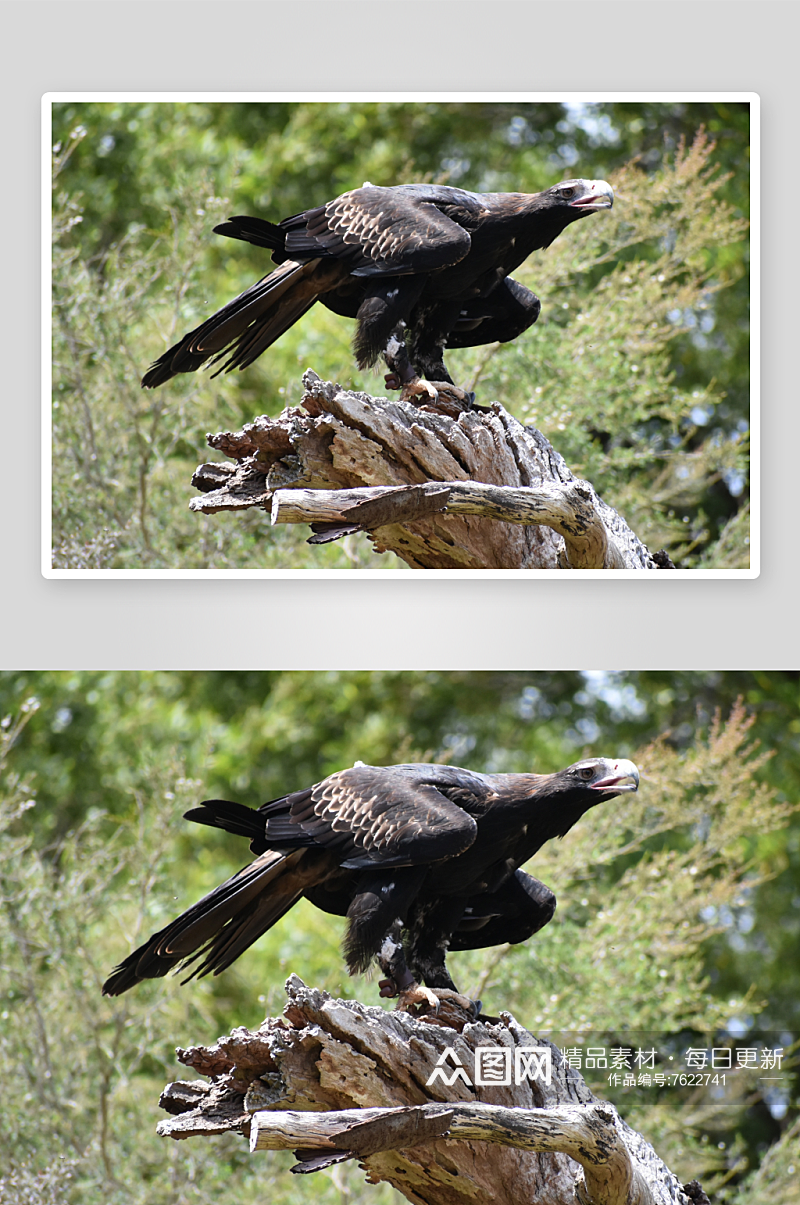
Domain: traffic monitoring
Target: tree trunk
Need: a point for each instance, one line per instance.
(336, 1080)
(442, 486)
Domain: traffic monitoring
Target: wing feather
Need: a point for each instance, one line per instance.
(192, 933)
(249, 313)
(391, 815)
(379, 230)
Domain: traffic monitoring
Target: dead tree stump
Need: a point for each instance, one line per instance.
(443, 487)
(335, 1080)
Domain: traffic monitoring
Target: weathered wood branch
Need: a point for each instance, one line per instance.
(587, 1133)
(460, 489)
(566, 507)
(335, 1080)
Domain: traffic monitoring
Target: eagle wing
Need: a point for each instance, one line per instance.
(379, 231)
(220, 925)
(375, 815)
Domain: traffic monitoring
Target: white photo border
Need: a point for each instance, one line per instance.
(751, 98)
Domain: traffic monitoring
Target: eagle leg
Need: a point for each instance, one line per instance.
(420, 393)
(439, 996)
(439, 395)
(396, 356)
(399, 980)
(392, 961)
(443, 1003)
(417, 996)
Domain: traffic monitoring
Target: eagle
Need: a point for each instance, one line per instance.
(420, 859)
(420, 267)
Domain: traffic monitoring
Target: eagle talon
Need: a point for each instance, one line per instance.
(417, 996)
(441, 1005)
(443, 397)
(417, 388)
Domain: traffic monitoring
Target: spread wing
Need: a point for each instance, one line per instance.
(379, 230)
(220, 925)
(373, 815)
(245, 326)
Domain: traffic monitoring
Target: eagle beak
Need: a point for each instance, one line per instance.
(599, 195)
(620, 776)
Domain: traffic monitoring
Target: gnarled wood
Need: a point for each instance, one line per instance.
(589, 1134)
(513, 502)
(566, 507)
(335, 1080)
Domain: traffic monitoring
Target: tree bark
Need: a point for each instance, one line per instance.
(335, 1080)
(442, 486)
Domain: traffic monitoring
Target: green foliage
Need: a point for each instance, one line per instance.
(636, 371)
(86, 1071)
(777, 1180)
(650, 934)
(606, 394)
(631, 931)
(123, 456)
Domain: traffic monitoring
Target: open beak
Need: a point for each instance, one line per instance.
(621, 776)
(599, 195)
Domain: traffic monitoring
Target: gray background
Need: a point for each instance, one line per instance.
(374, 45)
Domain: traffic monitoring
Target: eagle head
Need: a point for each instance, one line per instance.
(587, 196)
(605, 775)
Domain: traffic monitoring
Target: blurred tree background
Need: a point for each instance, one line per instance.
(638, 369)
(678, 922)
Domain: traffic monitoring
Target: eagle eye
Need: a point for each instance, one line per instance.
(586, 773)
(567, 192)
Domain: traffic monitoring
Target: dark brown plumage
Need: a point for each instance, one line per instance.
(421, 262)
(434, 850)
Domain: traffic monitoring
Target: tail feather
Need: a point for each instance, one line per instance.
(257, 231)
(244, 906)
(233, 319)
(232, 818)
